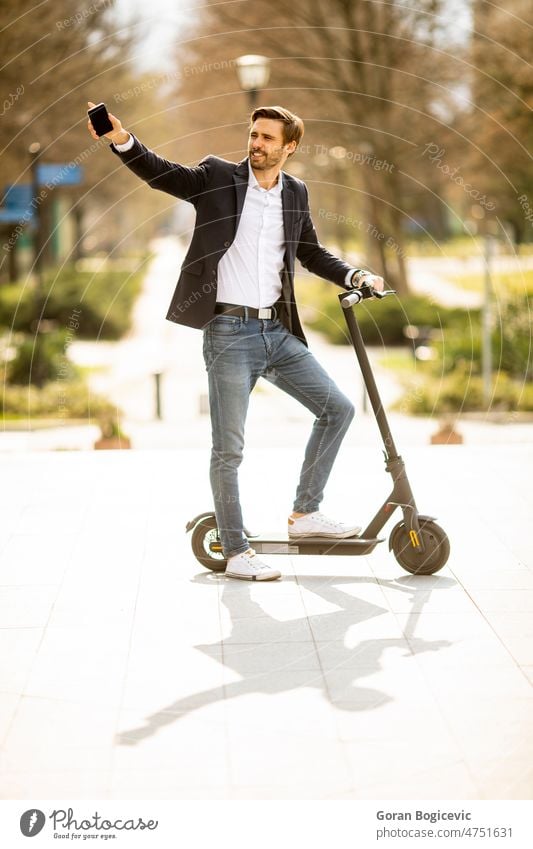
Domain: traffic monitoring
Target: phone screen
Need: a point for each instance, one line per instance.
(100, 119)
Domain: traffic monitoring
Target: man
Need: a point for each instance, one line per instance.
(236, 282)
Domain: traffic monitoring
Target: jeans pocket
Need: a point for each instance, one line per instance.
(225, 325)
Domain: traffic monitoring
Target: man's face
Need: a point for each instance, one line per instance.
(266, 147)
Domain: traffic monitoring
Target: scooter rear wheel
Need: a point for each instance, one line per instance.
(436, 543)
(206, 545)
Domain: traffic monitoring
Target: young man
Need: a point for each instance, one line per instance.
(237, 283)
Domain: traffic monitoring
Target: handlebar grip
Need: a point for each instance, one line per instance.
(351, 299)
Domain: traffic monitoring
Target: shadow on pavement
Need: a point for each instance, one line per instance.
(250, 650)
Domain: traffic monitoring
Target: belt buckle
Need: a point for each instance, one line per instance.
(264, 312)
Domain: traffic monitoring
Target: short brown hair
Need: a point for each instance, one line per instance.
(293, 126)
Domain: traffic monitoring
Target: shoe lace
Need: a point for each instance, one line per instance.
(321, 517)
(251, 555)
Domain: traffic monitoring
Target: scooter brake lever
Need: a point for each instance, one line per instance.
(383, 294)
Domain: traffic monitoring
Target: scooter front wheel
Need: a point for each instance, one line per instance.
(436, 544)
(206, 545)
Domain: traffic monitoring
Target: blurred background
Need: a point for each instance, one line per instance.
(417, 154)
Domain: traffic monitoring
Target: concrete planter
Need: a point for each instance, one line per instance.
(112, 442)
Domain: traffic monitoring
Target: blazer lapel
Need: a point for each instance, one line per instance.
(240, 179)
(287, 201)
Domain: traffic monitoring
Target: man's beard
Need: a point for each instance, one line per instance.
(263, 163)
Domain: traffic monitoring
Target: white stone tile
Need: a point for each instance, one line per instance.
(336, 626)
(18, 649)
(520, 648)
(365, 654)
(32, 560)
(61, 517)
(26, 607)
(327, 594)
(8, 706)
(443, 626)
(328, 788)
(507, 623)
(396, 759)
(505, 777)
(253, 659)
(504, 600)
(283, 608)
(48, 734)
(53, 784)
(444, 780)
(91, 679)
(461, 652)
(489, 732)
(528, 670)
(285, 759)
(497, 579)
(164, 784)
(188, 744)
(371, 686)
(173, 679)
(466, 685)
(264, 629)
(94, 605)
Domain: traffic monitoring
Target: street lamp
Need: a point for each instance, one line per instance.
(253, 72)
(34, 151)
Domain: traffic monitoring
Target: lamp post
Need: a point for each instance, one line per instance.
(253, 72)
(338, 154)
(34, 151)
(376, 250)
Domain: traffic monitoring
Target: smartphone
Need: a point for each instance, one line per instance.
(100, 119)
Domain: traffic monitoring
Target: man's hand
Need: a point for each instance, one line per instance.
(118, 134)
(366, 278)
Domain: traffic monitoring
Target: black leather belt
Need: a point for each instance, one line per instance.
(243, 312)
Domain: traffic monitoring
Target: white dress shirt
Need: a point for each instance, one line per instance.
(249, 271)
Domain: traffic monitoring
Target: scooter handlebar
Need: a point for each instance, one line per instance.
(353, 298)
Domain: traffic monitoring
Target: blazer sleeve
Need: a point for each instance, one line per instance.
(314, 256)
(159, 173)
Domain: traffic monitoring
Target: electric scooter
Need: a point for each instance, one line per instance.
(420, 546)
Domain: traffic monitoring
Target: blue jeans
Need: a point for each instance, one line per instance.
(237, 351)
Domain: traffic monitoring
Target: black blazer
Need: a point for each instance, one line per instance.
(217, 189)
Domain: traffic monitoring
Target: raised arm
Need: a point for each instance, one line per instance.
(159, 173)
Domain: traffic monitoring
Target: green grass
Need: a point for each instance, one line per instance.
(460, 247)
(515, 283)
(401, 361)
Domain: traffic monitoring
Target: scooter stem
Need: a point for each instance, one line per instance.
(347, 301)
(401, 495)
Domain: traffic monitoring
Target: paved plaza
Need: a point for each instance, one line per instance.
(130, 671)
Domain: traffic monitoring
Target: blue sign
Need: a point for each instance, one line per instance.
(16, 197)
(64, 174)
(17, 200)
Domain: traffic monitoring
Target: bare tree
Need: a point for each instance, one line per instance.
(366, 76)
(500, 120)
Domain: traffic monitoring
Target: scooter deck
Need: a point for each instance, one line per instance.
(313, 545)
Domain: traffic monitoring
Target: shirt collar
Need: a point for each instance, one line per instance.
(252, 182)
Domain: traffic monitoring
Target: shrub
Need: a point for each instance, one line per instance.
(41, 358)
(57, 399)
(105, 300)
(461, 391)
(511, 343)
(381, 322)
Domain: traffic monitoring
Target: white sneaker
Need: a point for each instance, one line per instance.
(318, 525)
(248, 567)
